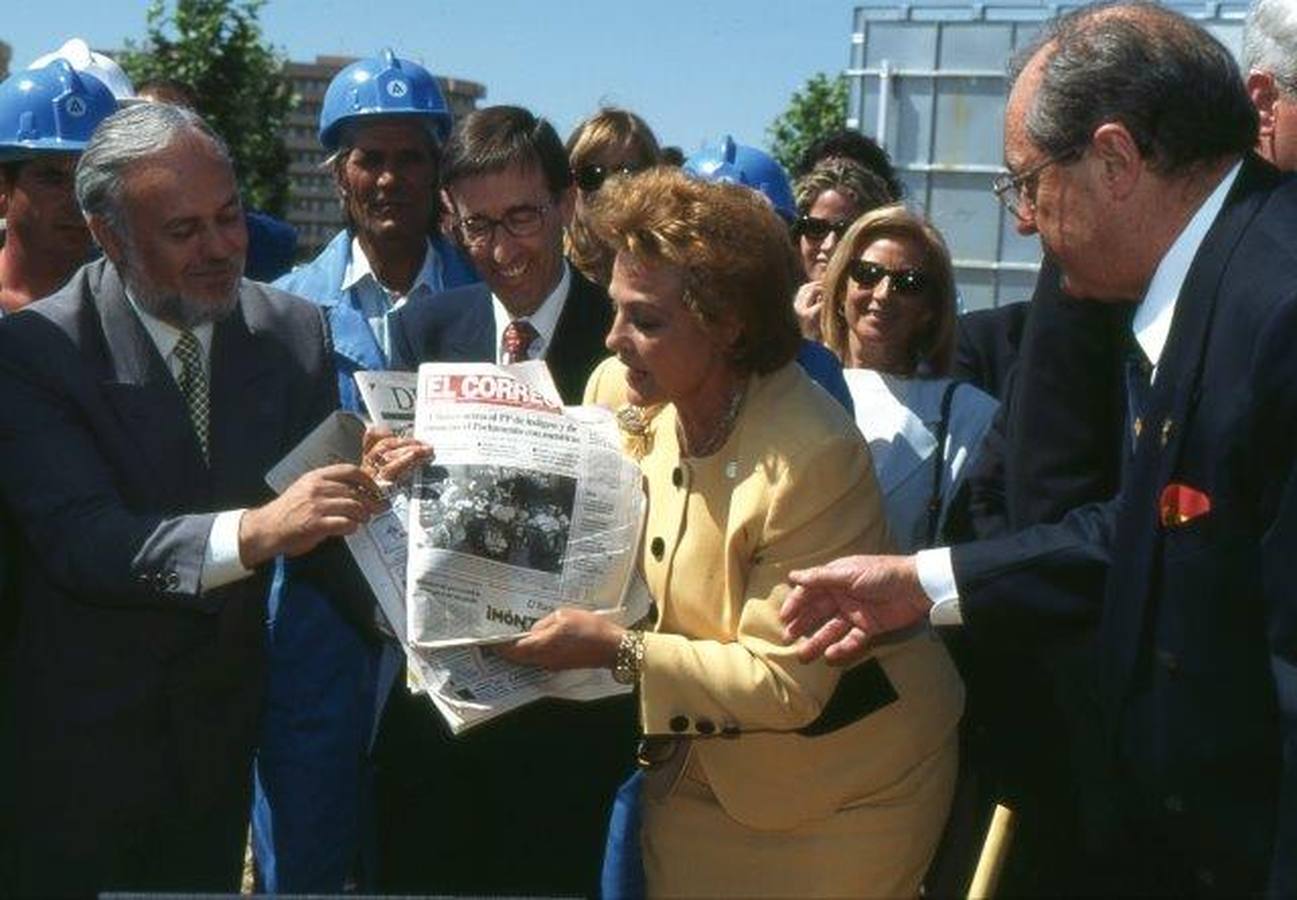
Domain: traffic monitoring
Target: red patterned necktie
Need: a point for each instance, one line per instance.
(518, 336)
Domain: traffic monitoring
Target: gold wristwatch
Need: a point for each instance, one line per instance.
(630, 657)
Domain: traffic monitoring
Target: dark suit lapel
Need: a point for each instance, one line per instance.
(1171, 405)
(578, 342)
(248, 405)
(146, 398)
(472, 337)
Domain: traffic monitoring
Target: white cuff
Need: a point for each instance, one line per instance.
(221, 563)
(937, 578)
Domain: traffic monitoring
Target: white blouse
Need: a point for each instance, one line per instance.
(899, 418)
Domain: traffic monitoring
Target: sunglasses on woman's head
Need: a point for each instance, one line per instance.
(591, 177)
(902, 281)
(818, 229)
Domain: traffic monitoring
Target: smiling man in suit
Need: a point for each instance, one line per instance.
(507, 177)
(140, 408)
(541, 780)
(1128, 135)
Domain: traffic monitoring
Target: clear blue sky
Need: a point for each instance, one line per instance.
(692, 69)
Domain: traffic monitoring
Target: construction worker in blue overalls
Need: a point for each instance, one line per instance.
(383, 119)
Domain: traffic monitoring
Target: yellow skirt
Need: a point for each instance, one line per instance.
(880, 846)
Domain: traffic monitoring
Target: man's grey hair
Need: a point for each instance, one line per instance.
(123, 139)
(1270, 41)
(1173, 86)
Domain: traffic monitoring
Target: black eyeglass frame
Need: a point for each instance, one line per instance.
(817, 229)
(912, 282)
(591, 176)
(479, 230)
(1014, 191)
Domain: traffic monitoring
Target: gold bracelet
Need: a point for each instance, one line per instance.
(630, 657)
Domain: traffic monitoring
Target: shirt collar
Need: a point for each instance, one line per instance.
(1152, 322)
(165, 336)
(358, 269)
(544, 319)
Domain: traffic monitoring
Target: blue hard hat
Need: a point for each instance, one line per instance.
(384, 85)
(53, 108)
(741, 164)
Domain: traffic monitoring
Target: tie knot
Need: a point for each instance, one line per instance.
(518, 338)
(1136, 357)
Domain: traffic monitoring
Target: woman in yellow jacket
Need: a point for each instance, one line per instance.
(766, 776)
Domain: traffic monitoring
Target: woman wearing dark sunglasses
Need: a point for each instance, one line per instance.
(829, 198)
(611, 142)
(889, 315)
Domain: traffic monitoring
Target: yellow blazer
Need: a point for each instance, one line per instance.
(792, 487)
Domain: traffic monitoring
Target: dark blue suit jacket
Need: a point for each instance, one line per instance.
(986, 346)
(548, 770)
(137, 694)
(459, 326)
(1197, 637)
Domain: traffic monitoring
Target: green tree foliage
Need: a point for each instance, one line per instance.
(216, 47)
(818, 108)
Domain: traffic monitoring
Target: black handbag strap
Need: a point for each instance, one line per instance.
(939, 463)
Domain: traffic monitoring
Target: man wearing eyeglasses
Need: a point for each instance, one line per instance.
(1129, 133)
(510, 189)
(520, 806)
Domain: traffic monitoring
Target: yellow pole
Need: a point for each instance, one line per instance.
(994, 850)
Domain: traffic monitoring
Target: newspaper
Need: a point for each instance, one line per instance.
(527, 507)
(469, 685)
(380, 546)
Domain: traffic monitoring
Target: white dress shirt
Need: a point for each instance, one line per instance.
(1151, 327)
(221, 562)
(377, 303)
(544, 319)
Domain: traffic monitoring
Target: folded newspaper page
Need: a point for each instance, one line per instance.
(468, 684)
(379, 547)
(526, 508)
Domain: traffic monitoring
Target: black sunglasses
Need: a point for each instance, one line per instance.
(818, 229)
(902, 281)
(591, 177)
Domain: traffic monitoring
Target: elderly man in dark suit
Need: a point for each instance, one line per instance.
(536, 786)
(140, 408)
(1055, 444)
(1128, 132)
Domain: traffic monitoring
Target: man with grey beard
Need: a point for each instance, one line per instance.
(140, 408)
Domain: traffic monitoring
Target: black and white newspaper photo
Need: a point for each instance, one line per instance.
(527, 507)
(469, 684)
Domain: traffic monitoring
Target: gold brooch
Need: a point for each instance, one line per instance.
(633, 423)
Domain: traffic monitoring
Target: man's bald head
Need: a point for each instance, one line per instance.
(1172, 85)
